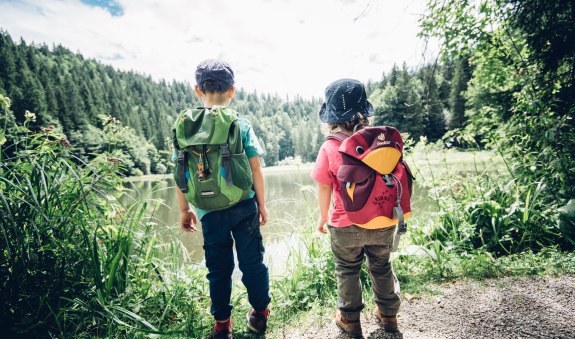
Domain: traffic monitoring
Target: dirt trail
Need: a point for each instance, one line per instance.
(526, 307)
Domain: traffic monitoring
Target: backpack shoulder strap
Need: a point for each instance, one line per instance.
(339, 136)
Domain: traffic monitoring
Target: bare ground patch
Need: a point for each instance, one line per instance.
(518, 307)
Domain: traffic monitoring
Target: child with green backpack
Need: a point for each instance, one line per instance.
(218, 172)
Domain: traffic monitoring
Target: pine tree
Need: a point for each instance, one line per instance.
(8, 71)
(459, 82)
(433, 107)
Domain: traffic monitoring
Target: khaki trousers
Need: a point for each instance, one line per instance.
(350, 245)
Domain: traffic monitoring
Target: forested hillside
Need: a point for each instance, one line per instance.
(129, 115)
(82, 96)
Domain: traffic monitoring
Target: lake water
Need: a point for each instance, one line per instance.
(291, 203)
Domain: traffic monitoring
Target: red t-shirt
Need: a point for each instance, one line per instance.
(325, 172)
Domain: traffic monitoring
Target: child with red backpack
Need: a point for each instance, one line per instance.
(362, 173)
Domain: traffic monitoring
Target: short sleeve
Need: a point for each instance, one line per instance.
(321, 172)
(250, 141)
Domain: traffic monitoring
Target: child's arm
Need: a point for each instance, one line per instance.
(324, 197)
(188, 217)
(259, 188)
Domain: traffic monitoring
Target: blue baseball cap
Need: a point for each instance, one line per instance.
(218, 72)
(345, 101)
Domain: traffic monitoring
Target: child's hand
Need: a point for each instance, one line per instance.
(187, 220)
(321, 226)
(263, 212)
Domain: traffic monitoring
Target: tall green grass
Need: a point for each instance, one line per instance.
(480, 220)
(75, 262)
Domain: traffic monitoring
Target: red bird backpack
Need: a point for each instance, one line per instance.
(375, 181)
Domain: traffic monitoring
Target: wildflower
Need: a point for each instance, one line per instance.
(48, 129)
(30, 116)
(114, 160)
(4, 101)
(65, 143)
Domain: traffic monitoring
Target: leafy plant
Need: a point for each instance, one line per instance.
(75, 260)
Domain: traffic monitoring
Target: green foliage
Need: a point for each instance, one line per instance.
(520, 101)
(399, 103)
(567, 221)
(456, 96)
(284, 128)
(487, 209)
(311, 277)
(416, 101)
(434, 121)
(73, 260)
(495, 214)
(418, 273)
(7, 121)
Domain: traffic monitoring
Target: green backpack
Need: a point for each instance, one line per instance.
(212, 169)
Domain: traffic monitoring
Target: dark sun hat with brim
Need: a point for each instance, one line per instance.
(345, 101)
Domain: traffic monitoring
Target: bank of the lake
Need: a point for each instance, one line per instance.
(291, 201)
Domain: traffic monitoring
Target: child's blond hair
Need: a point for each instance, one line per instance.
(350, 126)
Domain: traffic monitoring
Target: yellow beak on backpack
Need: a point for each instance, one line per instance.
(382, 160)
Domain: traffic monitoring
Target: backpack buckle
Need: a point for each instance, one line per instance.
(388, 180)
(398, 214)
(402, 228)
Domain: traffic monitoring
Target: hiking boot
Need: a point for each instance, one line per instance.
(258, 321)
(388, 322)
(222, 329)
(351, 328)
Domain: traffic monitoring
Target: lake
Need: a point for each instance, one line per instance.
(290, 196)
(291, 203)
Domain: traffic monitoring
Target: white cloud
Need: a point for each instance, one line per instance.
(283, 46)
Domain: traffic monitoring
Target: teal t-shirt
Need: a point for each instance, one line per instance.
(252, 148)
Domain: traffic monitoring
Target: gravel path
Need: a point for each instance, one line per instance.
(525, 307)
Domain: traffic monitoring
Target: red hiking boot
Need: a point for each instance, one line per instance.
(222, 329)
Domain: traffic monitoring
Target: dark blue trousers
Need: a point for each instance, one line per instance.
(239, 223)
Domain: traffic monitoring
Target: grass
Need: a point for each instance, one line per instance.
(76, 261)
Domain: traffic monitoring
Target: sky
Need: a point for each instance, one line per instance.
(288, 47)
